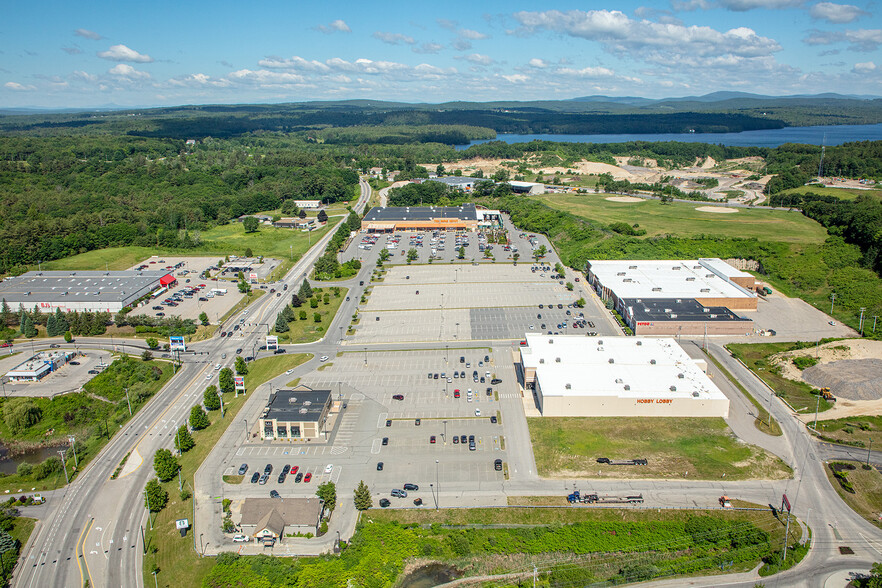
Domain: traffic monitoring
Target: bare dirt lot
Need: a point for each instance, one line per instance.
(851, 368)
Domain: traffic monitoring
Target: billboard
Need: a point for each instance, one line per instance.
(253, 277)
(272, 342)
(176, 343)
(239, 381)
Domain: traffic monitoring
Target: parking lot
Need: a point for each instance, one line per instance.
(68, 378)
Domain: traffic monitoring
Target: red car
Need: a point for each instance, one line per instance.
(398, 397)
(456, 393)
(294, 470)
(5, 345)
(432, 439)
(307, 477)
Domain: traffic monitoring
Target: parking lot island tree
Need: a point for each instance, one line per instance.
(203, 318)
(362, 497)
(328, 493)
(241, 366)
(165, 465)
(210, 400)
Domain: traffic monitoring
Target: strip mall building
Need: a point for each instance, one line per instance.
(467, 217)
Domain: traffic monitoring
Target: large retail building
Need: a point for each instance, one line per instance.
(617, 377)
(677, 297)
(467, 217)
(82, 290)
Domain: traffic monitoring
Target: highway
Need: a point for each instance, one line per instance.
(97, 521)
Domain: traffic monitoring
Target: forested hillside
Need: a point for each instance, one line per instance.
(63, 196)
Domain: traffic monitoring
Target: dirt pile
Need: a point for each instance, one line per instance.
(852, 379)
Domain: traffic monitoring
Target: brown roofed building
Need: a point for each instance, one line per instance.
(271, 518)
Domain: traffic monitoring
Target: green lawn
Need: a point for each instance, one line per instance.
(798, 394)
(763, 420)
(217, 241)
(857, 431)
(178, 563)
(683, 220)
(306, 331)
(684, 448)
(867, 484)
(843, 193)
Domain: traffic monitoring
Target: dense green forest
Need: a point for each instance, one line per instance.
(64, 196)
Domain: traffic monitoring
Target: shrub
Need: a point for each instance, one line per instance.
(48, 467)
(24, 469)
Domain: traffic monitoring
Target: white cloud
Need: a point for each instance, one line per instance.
(745, 5)
(479, 59)
(587, 72)
(690, 5)
(87, 34)
(516, 78)
(865, 68)
(864, 40)
(123, 53)
(294, 62)
(126, 71)
(536, 62)
(19, 87)
(336, 26)
(85, 76)
(263, 77)
(462, 45)
(428, 48)
(836, 13)
(394, 38)
(198, 80)
(652, 41)
(472, 35)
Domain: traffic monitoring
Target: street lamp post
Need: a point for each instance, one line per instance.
(73, 440)
(155, 581)
(868, 451)
(246, 428)
(62, 452)
(129, 402)
(365, 356)
(437, 486)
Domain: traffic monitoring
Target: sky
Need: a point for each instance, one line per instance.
(63, 54)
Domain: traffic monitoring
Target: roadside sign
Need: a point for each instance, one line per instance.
(272, 342)
(239, 381)
(253, 278)
(177, 344)
(786, 503)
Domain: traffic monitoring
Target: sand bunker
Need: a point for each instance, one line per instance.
(624, 199)
(853, 379)
(717, 209)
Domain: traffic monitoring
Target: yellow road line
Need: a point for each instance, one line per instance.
(81, 552)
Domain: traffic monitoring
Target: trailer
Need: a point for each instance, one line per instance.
(594, 498)
(609, 461)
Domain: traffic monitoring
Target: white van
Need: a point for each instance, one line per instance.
(469, 395)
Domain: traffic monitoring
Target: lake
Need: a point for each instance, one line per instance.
(828, 135)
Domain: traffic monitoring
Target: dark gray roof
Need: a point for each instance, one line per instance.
(424, 213)
(297, 405)
(456, 181)
(685, 309)
(79, 286)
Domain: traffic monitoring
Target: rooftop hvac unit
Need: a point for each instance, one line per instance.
(646, 310)
(713, 316)
(541, 360)
(656, 289)
(620, 274)
(551, 341)
(307, 403)
(695, 394)
(568, 386)
(673, 316)
(632, 267)
(673, 388)
(709, 275)
(303, 411)
(669, 310)
(627, 280)
(705, 289)
(678, 301)
(690, 279)
(696, 267)
(292, 400)
(676, 267)
(681, 375)
(600, 342)
(651, 362)
(639, 343)
(611, 360)
(705, 310)
(627, 386)
(619, 380)
(556, 360)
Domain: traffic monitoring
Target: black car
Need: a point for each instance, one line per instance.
(493, 419)
(255, 477)
(435, 376)
(243, 468)
(379, 466)
(286, 469)
(238, 351)
(417, 422)
(385, 440)
(223, 333)
(388, 422)
(412, 487)
(268, 469)
(486, 358)
(73, 363)
(463, 439)
(384, 502)
(455, 440)
(298, 478)
(461, 359)
(489, 391)
(282, 477)
(278, 351)
(94, 372)
(274, 494)
(497, 465)
(495, 381)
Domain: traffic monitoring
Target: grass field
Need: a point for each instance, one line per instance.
(755, 356)
(853, 430)
(684, 448)
(763, 420)
(867, 497)
(683, 220)
(173, 555)
(218, 241)
(308, 330)
(843, 193)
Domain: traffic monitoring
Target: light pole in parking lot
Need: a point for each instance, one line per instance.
(445, 431)
(437, 486)
(246, 428)
(365, 356)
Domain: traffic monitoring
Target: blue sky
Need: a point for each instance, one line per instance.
(97, 53)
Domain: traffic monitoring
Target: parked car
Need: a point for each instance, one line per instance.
(324, 358)
(384, 502)
(432, 439)
(455, 440)
(417, 422)
(243, 468)
(240, 538)
(307, 478)
(263, 479)
(398, 493)
(497, 465)
(329, 468)
(268, 469)
(493, 419)
(411, 487)
(398, 397)
(385, 440)
(388, 422)
(274, 494)
(255, 477)
(298, 478)
(379, 466)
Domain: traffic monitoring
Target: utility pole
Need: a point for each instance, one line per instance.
(861, 324)
(874, 322)
(221, 396)
(535, 573)
(147, 497)
(64, 463)
(73, 445)
(817, 406)
(832, 300)
(868, 451)
(180, 482)
(129, 402)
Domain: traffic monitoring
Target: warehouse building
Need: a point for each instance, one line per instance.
(617, 377)
(529, 188)
(458, 182)
(677, 297)
(295, 414)
(82, 290)
(466, 217)
(39, 366)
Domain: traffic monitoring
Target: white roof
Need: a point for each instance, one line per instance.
(626, 367)
(699, 278)
(519, 184)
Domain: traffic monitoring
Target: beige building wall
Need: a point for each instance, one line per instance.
(675, 328)
(612, 406)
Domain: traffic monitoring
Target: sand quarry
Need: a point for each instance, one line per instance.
(851, 368)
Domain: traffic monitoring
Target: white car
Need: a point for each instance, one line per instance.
(324, 358)
(289, 372)
(329, 468)
(477, 412)
(208, 376)
(240, 538)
